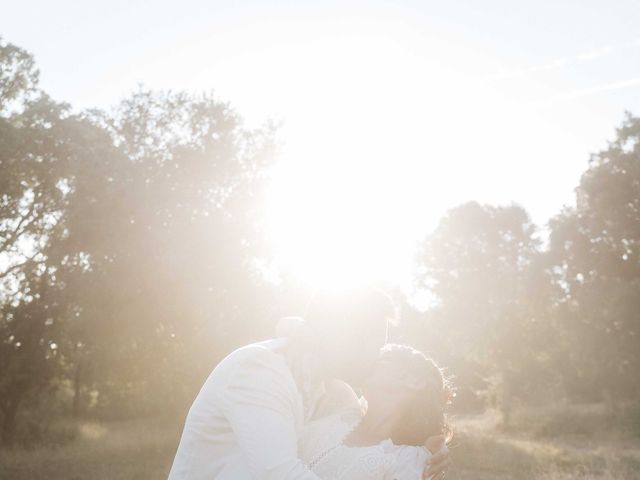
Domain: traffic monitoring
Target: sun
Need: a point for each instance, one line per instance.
(341, 221)
(375, 154)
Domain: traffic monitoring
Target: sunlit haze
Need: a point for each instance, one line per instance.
(225, 226)
(390, 115)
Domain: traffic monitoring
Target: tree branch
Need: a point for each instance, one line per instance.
(15, 234)
(17, 266)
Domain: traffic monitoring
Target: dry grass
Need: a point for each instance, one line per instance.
(115, 451)
(560, 443)
(583, 445)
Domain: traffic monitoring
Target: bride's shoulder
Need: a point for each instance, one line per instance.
(338, 397)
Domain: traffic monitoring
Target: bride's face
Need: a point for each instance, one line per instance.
(389, 382)
(386, 375)
(400, 388)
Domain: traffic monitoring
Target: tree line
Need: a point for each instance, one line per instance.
(131, 241)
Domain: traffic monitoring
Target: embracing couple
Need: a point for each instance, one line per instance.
(285, 409)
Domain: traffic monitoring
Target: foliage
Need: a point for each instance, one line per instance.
(130, 241)
(126, 245)
(595, 250)
(483, 266)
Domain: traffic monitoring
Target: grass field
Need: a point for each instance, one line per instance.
(580, 443)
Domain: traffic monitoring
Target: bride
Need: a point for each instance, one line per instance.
(382, 435)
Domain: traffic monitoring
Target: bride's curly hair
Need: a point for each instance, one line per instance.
(427, 414)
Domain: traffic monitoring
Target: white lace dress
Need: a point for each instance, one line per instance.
(322, 449)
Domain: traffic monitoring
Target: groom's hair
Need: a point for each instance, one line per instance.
(359, 310)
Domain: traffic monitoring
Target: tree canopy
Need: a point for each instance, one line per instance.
(131, 240)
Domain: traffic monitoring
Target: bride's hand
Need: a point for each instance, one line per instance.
(439, 461)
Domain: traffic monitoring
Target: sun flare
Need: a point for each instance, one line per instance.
(364, 176)
(341, 223)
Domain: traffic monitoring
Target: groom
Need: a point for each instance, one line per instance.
(245, 422)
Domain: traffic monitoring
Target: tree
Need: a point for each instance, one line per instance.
(595, 250)
(170, 226)
(128, 243)
(18, 77)
(38, 140)
(483, 269)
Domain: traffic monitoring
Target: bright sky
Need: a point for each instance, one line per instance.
(392, 112)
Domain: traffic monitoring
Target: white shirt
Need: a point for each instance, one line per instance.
(245, 422)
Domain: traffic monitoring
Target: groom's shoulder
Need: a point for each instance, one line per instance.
(261, 353)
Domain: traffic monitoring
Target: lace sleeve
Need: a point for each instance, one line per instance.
(409, 463)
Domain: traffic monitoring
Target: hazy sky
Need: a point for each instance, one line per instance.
(405, 108)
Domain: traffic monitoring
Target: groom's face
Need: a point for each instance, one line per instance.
(358, 350)
(352, 325)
